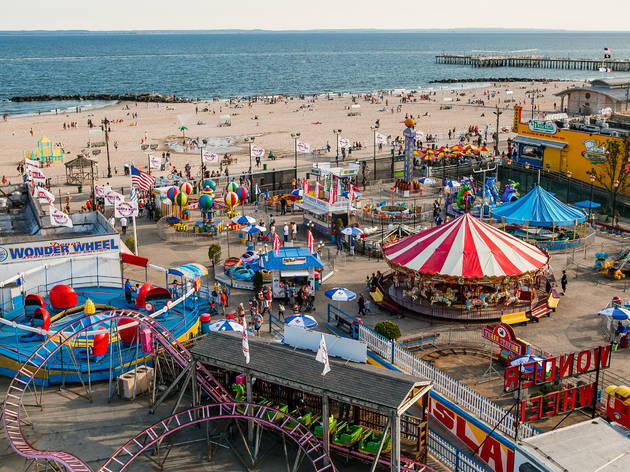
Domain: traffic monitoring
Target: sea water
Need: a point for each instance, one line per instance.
(207, 65)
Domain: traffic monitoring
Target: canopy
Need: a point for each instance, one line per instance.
(465, 248)
(189, 271)
(587, 204)
(538, 208)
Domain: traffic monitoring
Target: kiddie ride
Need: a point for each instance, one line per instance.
(51, 312)
(245, 267)
(616, 267)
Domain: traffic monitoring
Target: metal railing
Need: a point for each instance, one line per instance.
(451, 456)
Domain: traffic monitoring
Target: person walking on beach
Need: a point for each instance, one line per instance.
(563, 282)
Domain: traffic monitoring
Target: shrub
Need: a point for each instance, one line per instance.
(389, 329)
(214, 253)
(257, 280)
(131, 244)
(338, 227)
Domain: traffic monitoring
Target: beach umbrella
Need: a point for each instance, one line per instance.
(253, 229)
(298, 192)
(210, 183)
(231, 200)
(616, 313)
(356, 194)
(186, 188)
(226, 325)
(426, 180)
(453, 183)
(183, 130)
(206, 202)
(301, 321)
(244, 220)
(340, 294)
(352, 231)
(231, 187)
(242, 194)
(519, 361)
(181, 199)
(171, 193)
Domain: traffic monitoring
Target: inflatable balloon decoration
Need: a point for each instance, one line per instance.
(465, 197)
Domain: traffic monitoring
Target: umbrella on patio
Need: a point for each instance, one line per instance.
(527, 359)
(426, 180)
(340, 294)
(298, 192)
(302, 321)
(352, 231)
(226, 325)
(244, 220)
(587, 204)
(453, 183)
(253, 229)
(616, 313)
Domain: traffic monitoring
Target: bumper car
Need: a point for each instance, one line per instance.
(249, 257)
(242, 273)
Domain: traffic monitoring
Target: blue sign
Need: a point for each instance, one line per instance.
(56, 249)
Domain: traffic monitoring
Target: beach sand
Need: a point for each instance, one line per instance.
(272, 124)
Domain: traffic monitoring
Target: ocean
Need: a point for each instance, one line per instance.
(206, 65)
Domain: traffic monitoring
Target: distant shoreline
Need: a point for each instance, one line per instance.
(496, 79)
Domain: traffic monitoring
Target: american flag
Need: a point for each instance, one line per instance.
(310, 241)
(276, 244)
(245, 341)
(133, 196)
(141, 179)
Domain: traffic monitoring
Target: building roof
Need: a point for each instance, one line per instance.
(617, 94)
(359, 384)
(605, 448)
(539, 142)
(81, 161)
(270, 261)
(611, 82)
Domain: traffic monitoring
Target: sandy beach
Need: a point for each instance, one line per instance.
(435, 112)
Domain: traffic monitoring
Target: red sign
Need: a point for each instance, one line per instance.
(558, 402)
(503, 335)
(555, 368)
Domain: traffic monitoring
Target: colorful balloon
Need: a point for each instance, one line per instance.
(241, 193)
(181, 199)
(171, 193)
(231, 187)
(209, 183)
(206, 202)
(186, 188)
(231, 200)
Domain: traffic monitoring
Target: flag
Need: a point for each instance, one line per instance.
(35, 173)
(133, 196)
(155, 162)
(380, 138)
(322, 355)
(276, 244)
(59, 218)
(101, 190)
(318, 190)
(310, 241)
(245, 342)
(303, 147)
(44, 196)
(208, 156)
(331, 195)
(124, 209)
(111, 198)
(351, 193)
(338, 187)
(257, 151)
(305, 187)
(141, 179)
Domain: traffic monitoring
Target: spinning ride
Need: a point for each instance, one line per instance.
(465, 269)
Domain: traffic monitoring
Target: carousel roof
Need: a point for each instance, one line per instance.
(538, 208)
(465, 247)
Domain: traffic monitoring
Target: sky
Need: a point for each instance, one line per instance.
(604, 15)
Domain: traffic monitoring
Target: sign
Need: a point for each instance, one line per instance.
(101, 190)
(343, 142)
(112, 197)
(209, 157)
(257, 151)
(337, 346)
(339, 206)
(495, 451)
(547, 127)
(517, 118)
(293, 260)
(44, 196)
(303, 147)
(503, 335)
(59, 218)
(155, 162)
(595, 151)
(125, 209)
(59, 248)
(556, 368)
(555, 403)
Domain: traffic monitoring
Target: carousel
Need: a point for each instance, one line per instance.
(468, 270)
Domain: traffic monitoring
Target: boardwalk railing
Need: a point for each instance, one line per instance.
(451, 456)
(459, 393)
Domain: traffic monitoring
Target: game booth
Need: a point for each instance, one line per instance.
(292, 264)
(468, 270)
(324, 215)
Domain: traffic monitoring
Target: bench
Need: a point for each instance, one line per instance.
(540, 311)
(515, 318)
(553, 300)
(376, 295)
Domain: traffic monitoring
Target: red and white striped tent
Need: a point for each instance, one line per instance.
(466, 248)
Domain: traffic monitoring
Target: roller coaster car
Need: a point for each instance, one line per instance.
(370, 442)
(347, 435)
(306, 420)
(318, 426)
(269, 416)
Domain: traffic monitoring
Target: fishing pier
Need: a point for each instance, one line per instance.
(536, 62)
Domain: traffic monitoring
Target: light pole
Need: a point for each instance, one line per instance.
(374, 128)
(498, 113)
(295, 137)
(250, 140)
(509, 164)
(569, 174)
(590, 201)
(337, 132)
(106, 128)
(615, 185)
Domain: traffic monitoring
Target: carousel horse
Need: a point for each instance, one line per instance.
(447, 297)
(511, 299)
(495, 297)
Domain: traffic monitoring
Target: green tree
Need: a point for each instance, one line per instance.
(613, 174)
(389, 329)
(257, 281)
(214, 254)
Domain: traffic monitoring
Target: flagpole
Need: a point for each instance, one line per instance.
(133, 218)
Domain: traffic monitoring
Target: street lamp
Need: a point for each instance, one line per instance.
(509, 163)
(569, 174)
(250, 141)
(106, 128)
(498, 113)
(337, 132)
(295, 137)
(374, 128)
(590, 201)
(615, 185)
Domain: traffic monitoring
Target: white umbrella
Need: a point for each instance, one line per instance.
(226, 325)
(352, 231)
(244, 220)
(302, 321)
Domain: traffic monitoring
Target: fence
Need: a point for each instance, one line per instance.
(451, 456)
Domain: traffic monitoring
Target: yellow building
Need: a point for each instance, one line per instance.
(561, 146)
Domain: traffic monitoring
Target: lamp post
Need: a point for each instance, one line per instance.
(337, 132)
(250, 140)
(615, 185)
(569, 174)
(509, 163)
(498, 113)
(106, 128)
(527, 177)
(295, 137)
(374, 128)
(590, 201)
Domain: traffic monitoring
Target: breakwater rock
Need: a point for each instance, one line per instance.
(141, 97)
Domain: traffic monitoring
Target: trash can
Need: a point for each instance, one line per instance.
(264, 166)
(308, 176)
(80, 188)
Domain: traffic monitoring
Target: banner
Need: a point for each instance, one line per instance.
(44, 196)
(35, 173)
(22, 252)
(343, 142)
(380, 138)
(209, 157)
(155, 161)
(125, 209)
(303, 147)
(31, 163)
(59, 218)
(257, 151)
(112, 197)
(101, 190)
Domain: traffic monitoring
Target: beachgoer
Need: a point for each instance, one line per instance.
(563, 282)
(128, 291)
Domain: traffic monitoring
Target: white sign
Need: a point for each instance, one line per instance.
(340, 205)
(343, 142)
(125, 209)
(44, 196)
(31, 163)
(112, 197)
(345, 348)
(101, 190)
(35, 173)
(59, 218)
(303, 147)
(257, 151)
(380, 138)
(208, 156)
(155, 161)
(59, 248)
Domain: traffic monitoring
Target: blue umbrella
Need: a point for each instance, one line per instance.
(356, 194)
(253, 229)
(587, 204)
(616, 313)
(426, 180)
(453, 183)
(301, 321)
(527, 359)
(352, 231)
(226, 325)
(298, 192)
(340, 294)
(244, 220)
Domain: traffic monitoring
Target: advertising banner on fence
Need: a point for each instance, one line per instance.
(209, 157)
(125, 209)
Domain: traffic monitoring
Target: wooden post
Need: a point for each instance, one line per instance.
(395, 453)
(250, 423)
(325, 424)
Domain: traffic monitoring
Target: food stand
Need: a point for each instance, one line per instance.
(292, 264)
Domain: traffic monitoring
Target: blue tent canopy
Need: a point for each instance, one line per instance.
(538, 208)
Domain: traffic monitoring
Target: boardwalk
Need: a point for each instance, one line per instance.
(537, 62)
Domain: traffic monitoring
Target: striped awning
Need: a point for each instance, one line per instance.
(190, 271)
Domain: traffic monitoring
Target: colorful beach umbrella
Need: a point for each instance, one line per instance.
(253, 229)
(301, 321)
(426, 180)
(352, 231)
(340, 294)
(616, 313)
(244, 220)
(226, 325)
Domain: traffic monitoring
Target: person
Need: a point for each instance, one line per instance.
(128, 291)
(258, 321)
(112, 221)
(301, 407)
(224, 301)
(563, 282)
(294, 231)
(123, 225)
(339, 244)
(283, 206)
(548, 285)
(361, 303)
(285, 232)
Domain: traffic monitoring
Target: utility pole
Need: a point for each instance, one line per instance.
(337, 132)
(498, 113)
(374, 128)
(295, 137)
(106, 128)
(483, 188)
